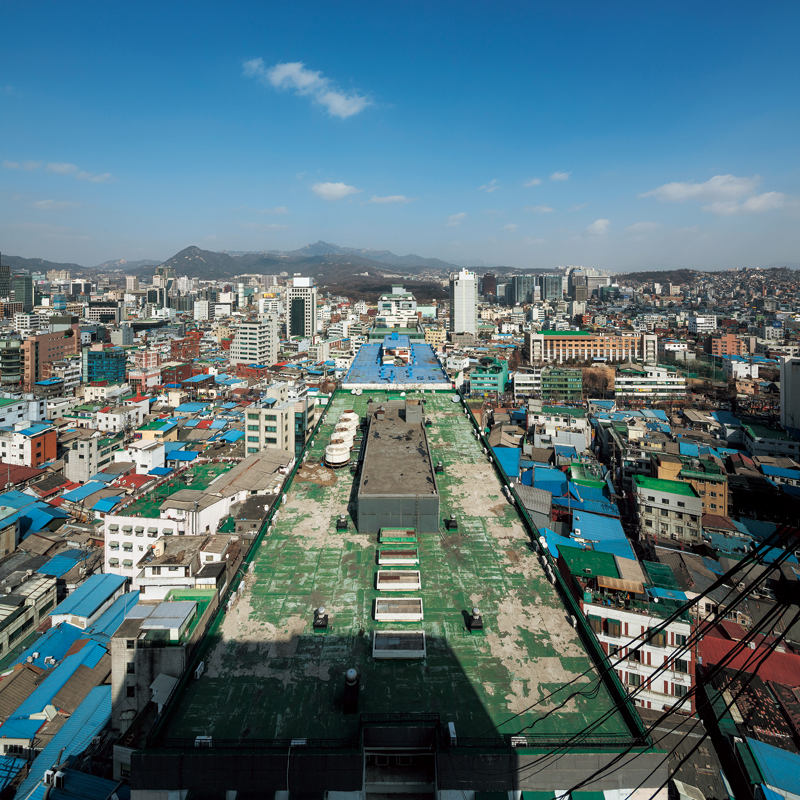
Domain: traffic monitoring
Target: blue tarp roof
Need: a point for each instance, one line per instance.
(669, 594)
(90, 595)
(780, 768)
(509, 458)
(90, 717)
(55, 642)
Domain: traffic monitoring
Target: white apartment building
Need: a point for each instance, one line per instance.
(463, 302)
(527, 381)
(301, 308)
(119, 418)
(649, 383)
(672, 346)
(255, 342)
(705, 324)
(270, 425)
(147, 454)
(202, 310)
(739, 369)
(397, 309)
(668, 509)
(15, 409)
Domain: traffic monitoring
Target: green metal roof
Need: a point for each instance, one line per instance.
(577, 560)
(566, 333)
(662, 485)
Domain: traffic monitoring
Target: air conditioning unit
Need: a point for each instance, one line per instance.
(48, 777)
(203, 741)
(58, 780)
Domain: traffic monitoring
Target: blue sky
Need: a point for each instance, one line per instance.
(619, 136)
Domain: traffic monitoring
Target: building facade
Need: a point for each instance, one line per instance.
(255, 342)
(561, 346)
(301, 308)
(463, 302)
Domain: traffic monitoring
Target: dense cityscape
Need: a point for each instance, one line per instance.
(421, 545)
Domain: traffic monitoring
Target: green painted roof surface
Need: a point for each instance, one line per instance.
(268, 675)
(663, 485)
(578, 559)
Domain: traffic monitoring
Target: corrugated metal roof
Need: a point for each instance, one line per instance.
(109, 621)
(62, 563)
(80, 786)
(82, 492)
(55, 643)
(16, 728)
(10, 767)
(90, 595)
(780, 768)
(88, 720)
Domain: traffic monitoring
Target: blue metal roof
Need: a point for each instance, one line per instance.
(80, 786)
(424, 367)
(89, 596)
(509, 458)
(109, 621)
(593, 506)
(191, 423)
(55, 642)
(170, 446)
(82, 492)
(106, 504)
(10, 767)
(605, 533)
(160, 471)
(90, 717)
(756, 528)
(44, 693)
(191, 408)
(16, 728)
(182, 455)
(780, 472)
(232, 436)
(34, 429)
(62, 563)
(218, 424)
(779, 767)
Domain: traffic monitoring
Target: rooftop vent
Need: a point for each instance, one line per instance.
(341, 523)
(439, 468)
(475, 620)
(451, 524)
(320, 619)
(352, 681)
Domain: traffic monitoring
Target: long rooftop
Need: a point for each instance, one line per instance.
(268, 675)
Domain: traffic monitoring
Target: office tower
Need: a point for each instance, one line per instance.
(463, 302)
(5, 279)
(22, 287)
(551, 286)
(489, 285)
(524, 288)
(104, 364)
(131, 283)
(255, 342)
(301, 312)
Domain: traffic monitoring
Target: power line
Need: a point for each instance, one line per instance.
(751, 558)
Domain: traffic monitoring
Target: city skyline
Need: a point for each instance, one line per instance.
(640, 139)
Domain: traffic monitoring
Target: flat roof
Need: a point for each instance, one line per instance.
(268, 675)
(663, 485)
(397, 459)
(423, 369)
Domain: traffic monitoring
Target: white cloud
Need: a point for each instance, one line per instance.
(295, 77)
(455, 220)
(333, 191)
(51, 231)
(598, 228)
(490, 187)
(756, 204)
(510, 227)
(530, 240)
(62, 169)
(716, 189)
(533, 182)
(392, 198)
(27, 165)
(579, 206)
(539, 209)
(53, 205)
(560, 176)
(277, 210)
(88, 176)
(642, 227)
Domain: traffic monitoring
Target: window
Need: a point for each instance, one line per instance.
(130, 691)
(635, 656)
(680, 665)
(634, 679)
(681, 504)
(664, 512)
(253, 439)
(596, 623)
(614, 627)
(130, 644)
(679, 690)
(156, 571)
(130, 668)
(648, 523)
(613, 650)
(680, 640)
(252, 428)
(658, 639)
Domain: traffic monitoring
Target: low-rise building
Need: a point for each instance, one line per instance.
(668, 509)
(649, 383)
(28, 444)
(761, 440)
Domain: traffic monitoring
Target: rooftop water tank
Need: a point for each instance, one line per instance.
(337, 454)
